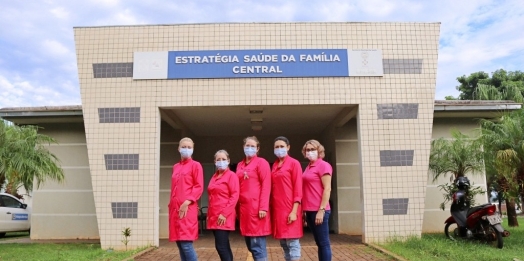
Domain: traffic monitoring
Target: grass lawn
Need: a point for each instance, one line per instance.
(438, 247)
(44, 251)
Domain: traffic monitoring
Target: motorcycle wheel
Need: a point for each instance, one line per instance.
(498, 237)
(450, 230)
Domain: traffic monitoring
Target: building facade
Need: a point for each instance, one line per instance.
(364, 90)
(317, 96)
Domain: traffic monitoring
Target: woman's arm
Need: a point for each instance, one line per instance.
(264, 176)
(194, 195)
(296, 180)
(326, 183)
(198, 183)
(234, 192)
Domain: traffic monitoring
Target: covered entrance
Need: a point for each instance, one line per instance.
(225, 127)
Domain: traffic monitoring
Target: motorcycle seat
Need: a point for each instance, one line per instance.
(476, 208)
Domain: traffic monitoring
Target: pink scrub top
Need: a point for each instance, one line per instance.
(312, 184)
(255, 187)
(223, 194)
(286, 189)
(187, 183)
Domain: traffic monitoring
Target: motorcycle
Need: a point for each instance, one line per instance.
(480, 222)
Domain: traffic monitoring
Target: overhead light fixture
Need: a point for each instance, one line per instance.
(256, 124)
(256, 110)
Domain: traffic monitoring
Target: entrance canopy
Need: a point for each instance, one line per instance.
(253, 120)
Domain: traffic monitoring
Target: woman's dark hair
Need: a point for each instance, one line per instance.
(282, 138)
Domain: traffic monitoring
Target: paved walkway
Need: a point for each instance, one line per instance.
(344, 247)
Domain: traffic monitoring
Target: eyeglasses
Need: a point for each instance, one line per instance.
(310, 149)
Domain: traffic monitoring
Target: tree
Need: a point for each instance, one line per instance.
(24, 160)
(487, 92)
(3, 144)
(503, 142)
(469, 84)
(502, 85)
(459, 156)
(510, 92)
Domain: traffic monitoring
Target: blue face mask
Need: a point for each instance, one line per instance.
(250, 151)
(281, 152)
(222, 165)
(186, 153)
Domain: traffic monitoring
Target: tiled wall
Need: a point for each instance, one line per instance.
(410, 62)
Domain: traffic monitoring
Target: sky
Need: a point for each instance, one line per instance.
(37, 49)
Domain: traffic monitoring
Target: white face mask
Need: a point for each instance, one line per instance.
(222, 165)
(186, 152)
(312, 155)
(250, 151)
(280, 152)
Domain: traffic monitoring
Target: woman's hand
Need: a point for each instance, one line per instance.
(262, 214)
(221, 220)
(182, 212)
(319, 219)
(292, 217)
(304, 219)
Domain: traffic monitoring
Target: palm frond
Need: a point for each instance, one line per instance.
(503, 143)
(25, 161)
(460, 155)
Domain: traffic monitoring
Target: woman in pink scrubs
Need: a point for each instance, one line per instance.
(223, 191)
(187, 185)
(315, 198)
(254, 177)
(286, 195)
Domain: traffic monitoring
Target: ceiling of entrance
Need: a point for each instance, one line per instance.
(257, 120)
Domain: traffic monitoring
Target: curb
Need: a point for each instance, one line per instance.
(149, 249)
(384, 251)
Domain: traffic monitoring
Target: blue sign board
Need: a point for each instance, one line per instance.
(17, 216)
(258, 63)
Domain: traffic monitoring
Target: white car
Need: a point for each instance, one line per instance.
(15, 216)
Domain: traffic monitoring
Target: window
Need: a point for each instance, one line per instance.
(11, 202)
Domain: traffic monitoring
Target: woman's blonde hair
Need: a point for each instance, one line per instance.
(186, 139)
(318, 146)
